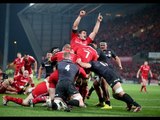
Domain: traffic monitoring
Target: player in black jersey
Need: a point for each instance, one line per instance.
(46, 66)
(68, 72)
(99, 84)
(106, 55)
(110, 54)
(111, 77)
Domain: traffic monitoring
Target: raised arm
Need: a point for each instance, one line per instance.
(96, 27)
(78, 19)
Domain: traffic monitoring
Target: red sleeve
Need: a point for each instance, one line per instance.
(74, 34)
(141, 67)
(73, 57)
(82, 72)
(52, 85)
(54, 58)
(53, 79)
(14, 62)
(17, 78)
(89, 40)
(32, 59)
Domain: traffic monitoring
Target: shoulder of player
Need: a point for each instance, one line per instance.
(31, 57)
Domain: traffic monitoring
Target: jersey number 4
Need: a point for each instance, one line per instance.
(67, 67)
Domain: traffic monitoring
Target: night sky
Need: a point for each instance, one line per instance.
(16, 32)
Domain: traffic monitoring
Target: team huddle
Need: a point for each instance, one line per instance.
(68, 72)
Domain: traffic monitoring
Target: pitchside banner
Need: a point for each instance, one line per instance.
(155, 55)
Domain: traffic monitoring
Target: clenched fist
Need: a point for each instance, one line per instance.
(100, 17)
(82, 13)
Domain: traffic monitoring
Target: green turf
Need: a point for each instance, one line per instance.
(150, 103)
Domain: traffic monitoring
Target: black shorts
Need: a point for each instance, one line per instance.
(65, 89)
(111, 77)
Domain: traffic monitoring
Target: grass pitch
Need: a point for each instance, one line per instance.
(150, 103)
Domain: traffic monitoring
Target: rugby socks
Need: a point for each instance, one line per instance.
(15, 100)
(108, 103)
(142, 88)
(101, 100)
(84, 92)
(145, 90)
(117, 97)
(39, 99)
(32, 84)
(127, 98)
(98, 91)
(73, 103)
(91, 90)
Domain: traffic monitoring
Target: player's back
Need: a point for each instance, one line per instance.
(87, 53)
(67, 70)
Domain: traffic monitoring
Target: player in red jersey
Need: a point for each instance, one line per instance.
(144, 70)
(18, 64)
(17, 85)
(38, 94)
(58, 57)
(28, 61)
(80, 38)
(68, 71)
(87, 54)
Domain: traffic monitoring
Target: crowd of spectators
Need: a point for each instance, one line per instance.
(132, 34)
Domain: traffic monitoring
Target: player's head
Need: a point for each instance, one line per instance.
(145, 62)
(19, 55)
(67, 55)
(66, 47)
(48, 55)
(82, 34)
(103, 45)
(26, 73)
(26, 56)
